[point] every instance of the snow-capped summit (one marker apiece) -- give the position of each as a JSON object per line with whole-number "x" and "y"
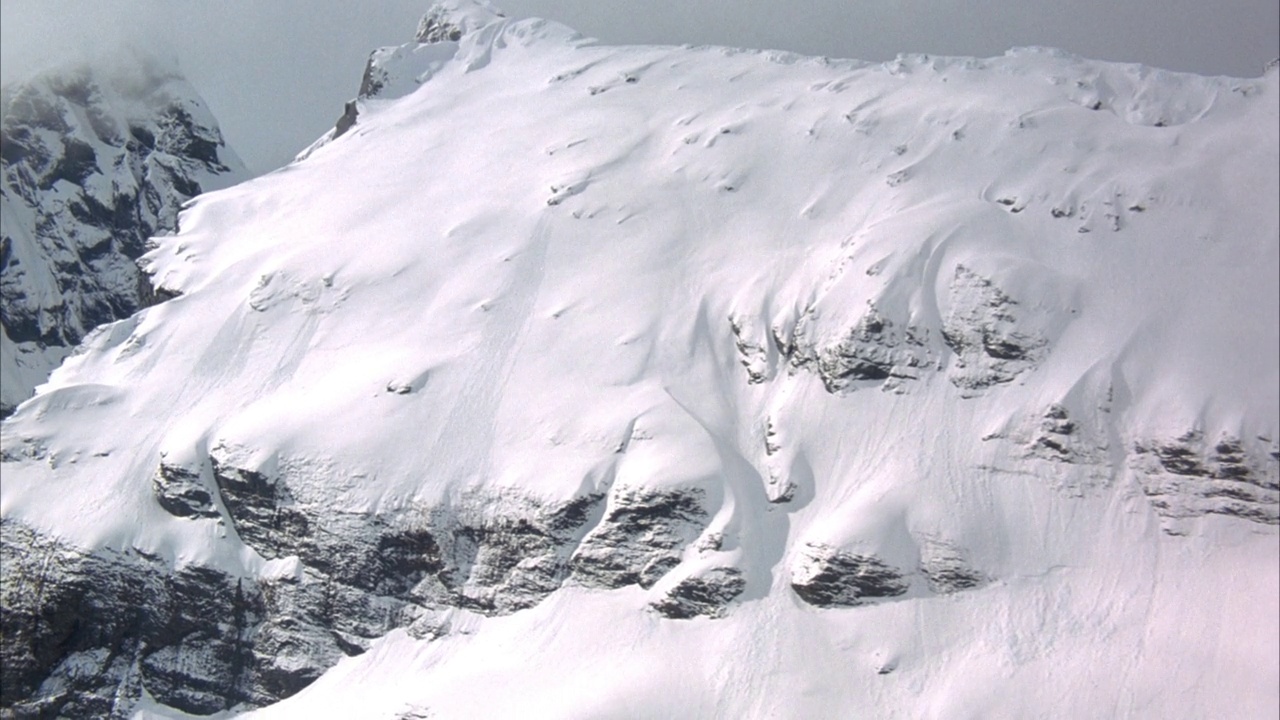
{"x": 449, "y": 31}
{"x": 451, "y": 19}
{"x": 95, "y": 162}
{"x": 685, "y": 382}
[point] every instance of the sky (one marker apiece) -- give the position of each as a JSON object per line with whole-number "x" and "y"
{"x": 277, "y": 72}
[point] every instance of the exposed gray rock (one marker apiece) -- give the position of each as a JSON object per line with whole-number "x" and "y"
{"x": 449, "y": 20}
{"x": 827, "y": 577}
{"x": 1055, "y": 437}
{"x": 311, "y": 622}
{"x": 85, "y": 186}
{"x": 85, "y": 633}
{"x": 982, "y": 329}
{"x": 707, "y": 594}
{"x": 346, "y": 121}
{"x": 1072, "y": 454}
{"x": 458, "y": 556}
{"x": 753, "y": 354}
{"x": 642, "y": 536}
{"x": 392, "y": 72}
{"x": 183, "y": 492}
{"x": 947, "y": 570}
{"x": 497, "y": 565}
{"x": 1187, "y": 477}
{"x": 368, "y": 552}
{"x": 876, "y": 350}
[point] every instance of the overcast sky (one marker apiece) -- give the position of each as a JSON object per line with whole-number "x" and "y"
{"x": 276, "y": 72}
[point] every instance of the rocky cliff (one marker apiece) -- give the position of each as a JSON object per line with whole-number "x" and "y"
{"x": 94, "y": 163}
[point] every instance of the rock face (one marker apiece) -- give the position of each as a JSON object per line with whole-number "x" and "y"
{"x": 395, "y": 71}
{"x": 875, "y": 349}
{"x": 707, "y": 594}
{"x": 983, "y": 340}
{"x": 1188, "y": 477}
{"x": 827, "y": 577}
{"x": 84, "y": 633}
{"x": 448, "y": 21}
{"x": 87, "y": 632}
{"x": 982, "y": 330}
{"x": 641, "y": 537}
{"x": 947, "y": 570}
{"x": 93, "y": 165}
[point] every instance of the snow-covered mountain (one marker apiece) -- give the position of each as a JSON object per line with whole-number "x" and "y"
{"x": 572, "y": 381}
{"x": 94, "y": 163}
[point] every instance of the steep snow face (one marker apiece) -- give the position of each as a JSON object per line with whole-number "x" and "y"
{"x": 694, "y": 382}
{"x": 94, "y": 164}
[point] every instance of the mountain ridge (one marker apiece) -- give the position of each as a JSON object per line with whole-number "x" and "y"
{"x": 96, "y": 162}
{"x": 683, "y": 382}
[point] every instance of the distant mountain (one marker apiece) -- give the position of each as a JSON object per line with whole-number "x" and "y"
{"x": 94, "y": 163}
{"x": 574, "y": 381}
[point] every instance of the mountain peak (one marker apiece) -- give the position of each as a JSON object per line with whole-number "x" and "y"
{"x": 449, "y": 20}
{"x": 96, "y": 160}
{"x": 718, "y": 383}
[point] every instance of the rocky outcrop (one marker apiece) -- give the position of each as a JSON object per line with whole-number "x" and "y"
{"x": 449, "y": 20}
{"x": 876, "y": 350}
{"x": 396, "y": 71}
{"x": 458, "y": 556}
{"x": 93, "y": 166}
{"x": 641, "y": 537}
{"x": 753, "y": 355}
{"x": 707, "y": 594}
{"x": 86, "y": 633}
{"x": 182, "y": 492}
{"x": 500, "y": 564}
{"x": 1188, "y": 477}
{"x": 947, "y": 570}
{"x": 982, "y": 330}
{"x": 828, "y": 577}
{"x": 1055, "y": 438}
{"x": 990, "y": 341}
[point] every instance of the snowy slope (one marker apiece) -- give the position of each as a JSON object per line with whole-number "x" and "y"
{"x": 695, "y": 382}
{"x": 97, "y": 159}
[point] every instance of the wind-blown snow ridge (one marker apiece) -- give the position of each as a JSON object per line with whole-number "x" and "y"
{"x": 707, "y": 383}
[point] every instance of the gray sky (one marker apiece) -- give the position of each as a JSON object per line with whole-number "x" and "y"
{"x": 276, "y": 72}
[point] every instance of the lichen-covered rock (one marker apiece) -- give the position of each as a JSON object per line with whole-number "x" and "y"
{"x": 828, "y": 577}
{"x": 641, "y": 537}
{"x": 706, "y": 594}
